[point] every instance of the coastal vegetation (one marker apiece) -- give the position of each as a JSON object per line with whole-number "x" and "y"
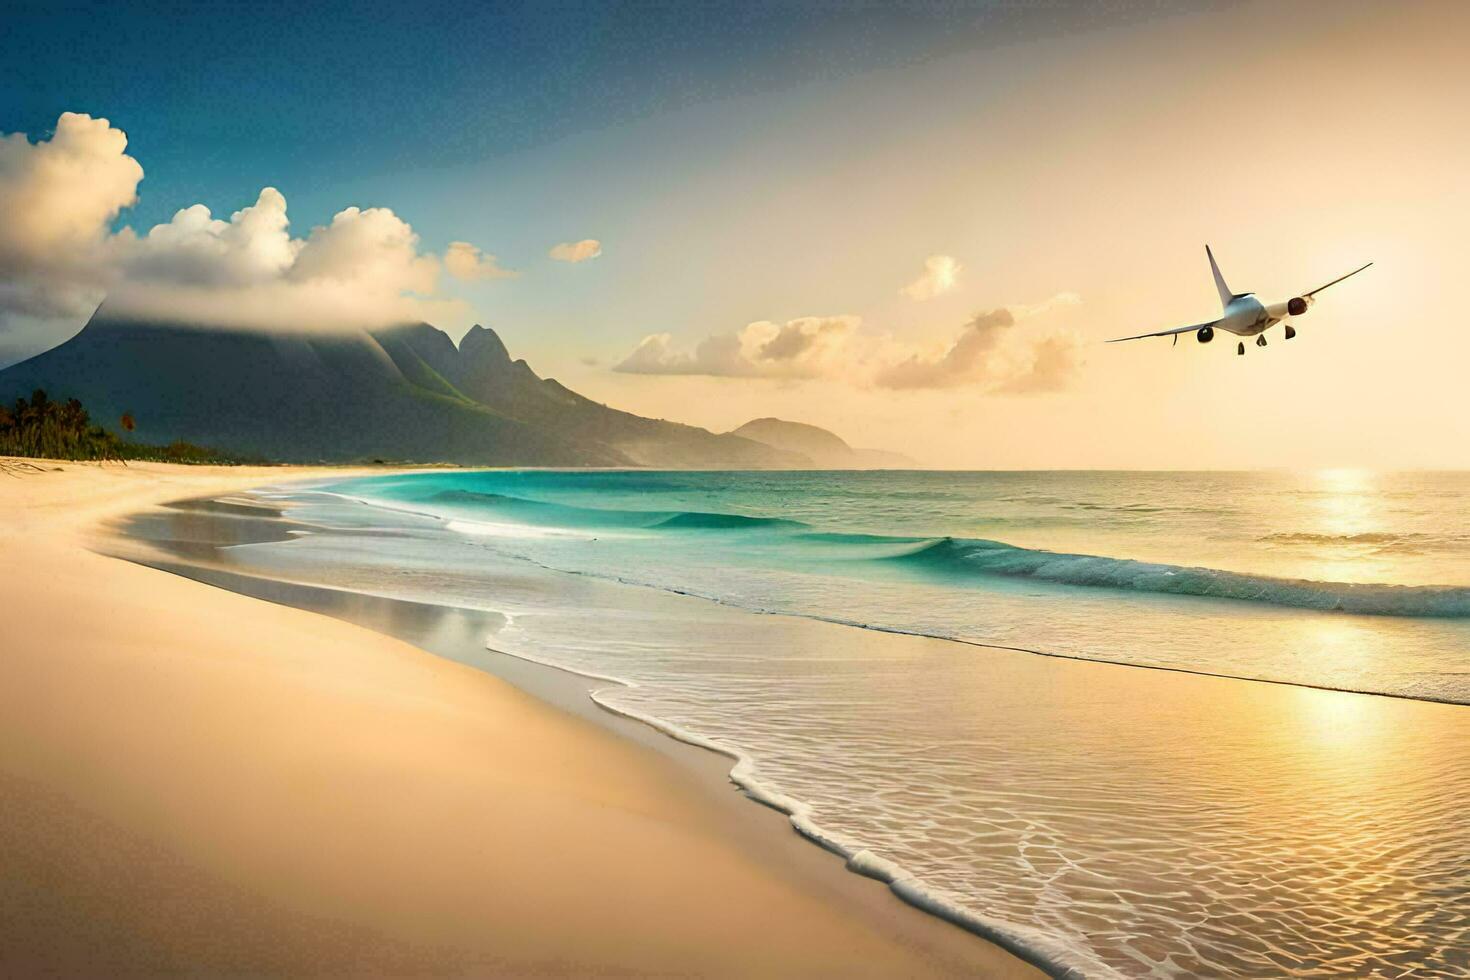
{"x": 40, "y": 427}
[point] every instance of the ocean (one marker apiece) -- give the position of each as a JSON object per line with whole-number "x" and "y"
{"x": 942, "y": 677}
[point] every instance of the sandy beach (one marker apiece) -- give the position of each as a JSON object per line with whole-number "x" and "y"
{"x": 196, "y": 781}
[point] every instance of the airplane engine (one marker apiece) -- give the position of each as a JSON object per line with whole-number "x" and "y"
{"x": 1206, "y": 334}
{"x": 1296, "y": 306}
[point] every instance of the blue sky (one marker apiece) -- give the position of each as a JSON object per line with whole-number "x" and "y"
{"x": 220, "y": 98}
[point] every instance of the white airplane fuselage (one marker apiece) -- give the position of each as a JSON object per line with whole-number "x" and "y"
{"x": 1246, "y": 316}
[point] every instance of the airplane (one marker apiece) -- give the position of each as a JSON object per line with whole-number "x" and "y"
{"x": 1244, "y": 315}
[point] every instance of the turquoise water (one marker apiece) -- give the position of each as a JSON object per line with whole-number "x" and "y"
{"x": 1344, "y": 580}
{"x": 1104, "y": 819}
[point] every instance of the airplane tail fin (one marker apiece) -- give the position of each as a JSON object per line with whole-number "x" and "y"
{"x": 1225, "y": 294}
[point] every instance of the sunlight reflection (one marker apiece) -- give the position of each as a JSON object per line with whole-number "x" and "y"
{"x": 1346, "y": 504}
{"x": 1336, "y": 722}
{"x": 1343, "y": 511}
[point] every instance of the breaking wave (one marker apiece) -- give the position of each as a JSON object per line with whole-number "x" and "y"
{"x": 971, "y": 559}
{"x": 956, "y": 556}
{"x": 543, "y": 513}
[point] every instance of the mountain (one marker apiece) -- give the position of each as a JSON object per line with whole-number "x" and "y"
{"x": 484, "y": 372}
{"x": 825, "y": 449}
{"x": 404, "y": 393}
{"x": 820, "y": 446}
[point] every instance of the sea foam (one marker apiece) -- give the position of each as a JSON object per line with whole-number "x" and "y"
{"x": 1055, "y": 957}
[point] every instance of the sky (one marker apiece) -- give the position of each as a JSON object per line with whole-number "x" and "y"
{"x": 913, "y": 224}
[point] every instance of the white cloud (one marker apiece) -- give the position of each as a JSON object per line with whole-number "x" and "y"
{"x": 195, "y": 248}
{"x": 808, "y": 347}
{"x": 1055, "y": 360}
{"x": 941, "y": 274}
{"x": 373, "y": 248}
{"x": 310, "y": 305}
{"x": 992, "y": 352}
{"x": 465, "y": 261}
{"x": 59, "y": 193}
{"x": 587, "y": 248}
{"x": 364, "y": 269}
{"x": 987, "y": 352}
{"x": 58, "y": 197}
{"x": 965, "y": 359}
{"x": 58, "y": 256}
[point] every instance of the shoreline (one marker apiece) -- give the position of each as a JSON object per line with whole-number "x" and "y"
{"x": 717, "y": 767}
{"x": 809, "y": 913}
{"x": 1193, "y": 748}
{"x": 565, "y": 688}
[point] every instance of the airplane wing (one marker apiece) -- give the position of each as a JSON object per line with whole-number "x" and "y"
{"x": 1171, "y": 333}
{"x": 1313, "y": 293}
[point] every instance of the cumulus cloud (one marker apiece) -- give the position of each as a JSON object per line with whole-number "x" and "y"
{"x": 995, "y": 351}
{"x": 58, "y": 198}
{"x": 941, "y": 274}
{"x": 808, "y": 347}
{"x": 963, "y": 361}
{"x": 987, "y": 352}
{"x": 363, "y": 269}
{"x": 246, "y": 271}
{"x": 1055, "y": 361}
{"x": 465, "y": 261}
{"x": 59, "y": 256}
{"x": 587, "y": 248}
{"x": 195, "y": 248}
